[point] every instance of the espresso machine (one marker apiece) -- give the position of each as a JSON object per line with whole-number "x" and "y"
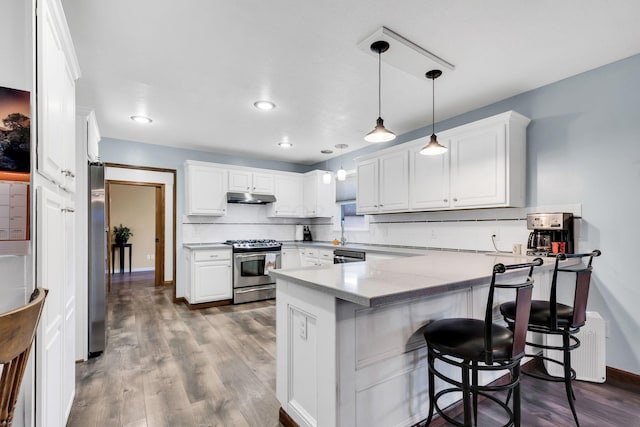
{"x": 551, "y": 233}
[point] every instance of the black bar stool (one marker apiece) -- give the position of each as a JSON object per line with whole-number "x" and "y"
{"x": 554, "y": 318}
{"x": 475, "y": 345}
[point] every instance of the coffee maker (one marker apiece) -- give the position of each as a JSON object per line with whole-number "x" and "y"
{"x": 552, "y": 233}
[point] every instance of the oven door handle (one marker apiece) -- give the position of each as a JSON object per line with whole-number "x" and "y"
{"x": 240, "y": 256}
{"x": 254, "y": 289}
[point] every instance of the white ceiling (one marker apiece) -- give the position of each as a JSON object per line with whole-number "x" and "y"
{"x": 197, "y": 66}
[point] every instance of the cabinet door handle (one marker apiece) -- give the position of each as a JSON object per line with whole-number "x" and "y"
{"x": 375, "y": 206}
{"x": 213, "y": 256}
{"x": 455, "y": 200}
{"x": 446, "y": 200}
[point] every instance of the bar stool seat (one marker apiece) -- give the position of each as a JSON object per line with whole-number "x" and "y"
{"x": 541, "y": 313}
{"x": 476, "y": 346}
{"x": 465, "y": 338}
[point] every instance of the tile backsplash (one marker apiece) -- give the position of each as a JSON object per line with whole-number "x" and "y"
{"x": 464, "y": 230}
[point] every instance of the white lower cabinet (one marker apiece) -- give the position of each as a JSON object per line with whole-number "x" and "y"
{"x": 290, "y": 257}
{"x": 209, "y": 275}
{"x": 316, "y": 256}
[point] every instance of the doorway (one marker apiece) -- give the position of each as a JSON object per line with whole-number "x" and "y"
{"x": 139, "y": 206}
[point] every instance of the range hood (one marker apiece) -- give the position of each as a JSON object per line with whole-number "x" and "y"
{"x": 250, "y": 198}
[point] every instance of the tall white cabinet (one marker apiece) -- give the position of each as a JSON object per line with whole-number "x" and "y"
{"x": 55, "y": 231}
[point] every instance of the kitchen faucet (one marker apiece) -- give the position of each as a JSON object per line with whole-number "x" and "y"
{"x": 343, "y": 240}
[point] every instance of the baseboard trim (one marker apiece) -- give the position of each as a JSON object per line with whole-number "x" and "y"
{"x": 622, "y": 377}
{"x": 168, "y": 283}
{"x": 178, "y": 300}
{"x": 285, "y": 419}
{"x": 207, "y": 304}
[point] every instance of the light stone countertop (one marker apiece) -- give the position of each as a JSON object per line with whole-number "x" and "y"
{"x": 375, "y": 283}
{"x": 382, "y": 249}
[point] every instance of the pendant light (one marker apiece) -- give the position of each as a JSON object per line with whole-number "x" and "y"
{"x": 379, "y": 133}
{"x": 433, "y": 147}
{"x": 341, "y": 175}
{"x": 326, "y": 176}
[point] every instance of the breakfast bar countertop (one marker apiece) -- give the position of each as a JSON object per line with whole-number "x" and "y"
{"x": 375, "y": 283}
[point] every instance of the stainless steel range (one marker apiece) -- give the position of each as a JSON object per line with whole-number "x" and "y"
{"x": 252, "y": 260}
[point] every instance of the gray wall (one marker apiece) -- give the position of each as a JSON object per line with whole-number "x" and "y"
{"x": 583, "y": 148}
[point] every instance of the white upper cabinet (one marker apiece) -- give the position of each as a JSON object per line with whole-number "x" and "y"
{"x": 367, "y": 190}
{"x": 288, "y": 193}
{"x": 488, "y": 162}
{"x": 206, "y": 189}
{"x": 57, "y": 71}
{"x": 383, "y": 183}
{"x": 319, "y": 199}
{"x": 485, "y": 167}
{"x": 251, "y": 182}
{"x": 87, "y": 132}
{"x": 428, "y": 179}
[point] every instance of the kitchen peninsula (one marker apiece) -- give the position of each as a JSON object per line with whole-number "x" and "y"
{"x": 350, "y": 350}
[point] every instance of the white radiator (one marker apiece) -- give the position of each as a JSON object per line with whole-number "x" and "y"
{"x": 589, "y": 360}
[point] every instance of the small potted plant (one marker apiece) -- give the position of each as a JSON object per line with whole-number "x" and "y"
{"x": 122, "y": 234}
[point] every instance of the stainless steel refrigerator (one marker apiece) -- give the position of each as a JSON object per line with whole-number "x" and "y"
{"x": 98, "y": 268}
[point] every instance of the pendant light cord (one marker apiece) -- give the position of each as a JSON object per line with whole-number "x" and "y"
{"x": 433, "y": 106}
{"x": 379, "y": 83}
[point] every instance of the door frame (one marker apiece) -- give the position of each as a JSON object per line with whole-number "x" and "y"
{"x": 159, "y": 225}
{"x": 173, "y": 174}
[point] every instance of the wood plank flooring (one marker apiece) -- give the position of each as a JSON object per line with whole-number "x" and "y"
{"x": 168, "y": 366}
{"x": 165, "y": 365}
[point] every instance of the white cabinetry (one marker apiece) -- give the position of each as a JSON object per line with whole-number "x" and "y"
{"x": 488, "y": 162}
{"x": 428, "y": 179}
{"x": 206, "y": 189}
{"x": 316, "y": 256}
{"x": 87, "y": 132}
{"x": 290, "y": 257}
{"x": 56, "y": 336}
{"x": 383, "y": 183}
{"x": 55, "y": 230}
{"x": 252, "y": 182}
{"x": 319, "y": 199}
{"x": 288, "y": 193}
{"x": 56, "y": 74}
{"x": 209, "y": 275}
{"x": 485, "y": 167}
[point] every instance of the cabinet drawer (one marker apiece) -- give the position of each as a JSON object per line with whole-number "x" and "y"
{"x": 211, "y": 255}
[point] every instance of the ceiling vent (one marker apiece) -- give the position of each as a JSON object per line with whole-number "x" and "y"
{"x": 405, "y": 55}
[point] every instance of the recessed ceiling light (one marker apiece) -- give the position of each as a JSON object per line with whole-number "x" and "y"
{"x": 264, "y": 105}
{"x": 141, "y": 119}
{"x": 326, "y": 151}
{"x": 285, "y": 144}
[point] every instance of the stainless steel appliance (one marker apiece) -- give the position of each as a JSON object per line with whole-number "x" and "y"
{"x": 343, "y": 256}
{"x": 98, "y": 268}
{"x": 252, "y": 260}
{"x": 551, "y": 232}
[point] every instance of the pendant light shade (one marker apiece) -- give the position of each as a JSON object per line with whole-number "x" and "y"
{"x": 326, "y": 177}
{"x": 380, "y": 133}
{"x": 341, "y": 174}
{"x": 433, "y": 148}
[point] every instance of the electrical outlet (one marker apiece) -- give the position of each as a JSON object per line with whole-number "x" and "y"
{"x": 148, "y": 257}
{"x": 302, "y": 326}
{"x": 495, "y": 232}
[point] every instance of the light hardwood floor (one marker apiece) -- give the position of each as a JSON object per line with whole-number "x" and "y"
{"x": 165, "y": 365}
{"x": 168, "y": 366}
